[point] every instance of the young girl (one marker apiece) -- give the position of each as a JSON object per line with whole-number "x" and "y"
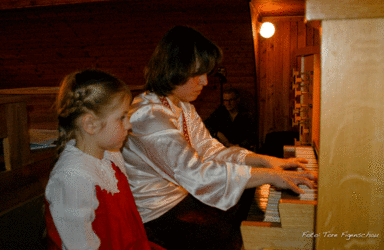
{"x": 89, "y": 204}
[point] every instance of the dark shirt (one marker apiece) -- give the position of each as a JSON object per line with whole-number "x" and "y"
{"x": 241, "y": 130}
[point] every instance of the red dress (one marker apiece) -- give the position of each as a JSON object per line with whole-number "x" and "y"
{"x": 117, "y": 222}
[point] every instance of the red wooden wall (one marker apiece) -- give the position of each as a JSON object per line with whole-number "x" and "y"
{"x": 39, "y": 46}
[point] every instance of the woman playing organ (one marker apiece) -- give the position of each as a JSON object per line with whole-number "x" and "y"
{"x": 186, "y": 184}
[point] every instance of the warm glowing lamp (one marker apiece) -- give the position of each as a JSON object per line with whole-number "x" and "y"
{"x": 267, "y": 30}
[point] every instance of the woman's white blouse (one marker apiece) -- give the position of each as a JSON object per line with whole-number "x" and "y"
{"x": 163, "y": 167}
{"x": 72, "y": 196}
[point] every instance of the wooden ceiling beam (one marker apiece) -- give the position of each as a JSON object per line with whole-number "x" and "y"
{"x": 273, "y": 19}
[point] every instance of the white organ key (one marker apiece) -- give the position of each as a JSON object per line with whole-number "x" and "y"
{"x": 272, "y": 210}
{"x": 308, "y": 154}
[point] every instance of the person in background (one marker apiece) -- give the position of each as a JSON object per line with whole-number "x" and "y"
{"x": 231, "y": 124}
{"x": 187, "y": 184}
{"x": 89, "y": 204}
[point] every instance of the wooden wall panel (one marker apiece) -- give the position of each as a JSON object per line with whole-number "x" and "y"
{"x": 255, "y": 24}
{"x": 41, "y": 111}
{"x": 41, "y": 45}
{"x": 277, "y": 59}
{"x": 286, "y": 75}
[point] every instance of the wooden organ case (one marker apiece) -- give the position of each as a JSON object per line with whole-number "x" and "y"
{"x": 349, "y": 211}
{"x": 289, "y": 219}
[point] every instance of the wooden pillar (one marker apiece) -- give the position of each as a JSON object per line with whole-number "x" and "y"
{"x": 14, "y": 131}
{"x": 351, "y": 161}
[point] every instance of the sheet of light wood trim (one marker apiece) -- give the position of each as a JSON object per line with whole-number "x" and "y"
{"x": 331, "y": 9}
{"x": 350, "y": 193}
{"x": 297, "y": 214}
{"x": 297, "y": 224}
{"x": 256, "y": 236}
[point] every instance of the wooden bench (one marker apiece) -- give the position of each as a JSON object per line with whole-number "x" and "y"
{"x": 24, "y": 172}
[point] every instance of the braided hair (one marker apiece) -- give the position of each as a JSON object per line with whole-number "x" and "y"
{"x": 83, "y": 92}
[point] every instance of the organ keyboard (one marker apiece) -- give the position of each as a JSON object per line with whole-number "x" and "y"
{"x": 289, "y": 218}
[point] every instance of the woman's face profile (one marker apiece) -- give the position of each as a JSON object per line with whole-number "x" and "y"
{"x": 189, "y": 91}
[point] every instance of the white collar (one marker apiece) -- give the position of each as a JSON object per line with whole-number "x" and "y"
{"x": 100, "y": 171}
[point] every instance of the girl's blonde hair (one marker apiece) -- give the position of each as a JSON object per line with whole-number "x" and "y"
{"x": 86, "y": 91}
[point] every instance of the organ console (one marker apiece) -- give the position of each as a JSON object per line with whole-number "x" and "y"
{"x": 350, "y": 186}
{"x": 289, "y": 219}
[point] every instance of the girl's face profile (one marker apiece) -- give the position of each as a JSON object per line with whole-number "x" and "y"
{"x": 116, "y": 125}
